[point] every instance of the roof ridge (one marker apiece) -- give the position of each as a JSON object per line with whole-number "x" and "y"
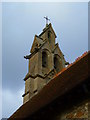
{"x": 77, "y": 59}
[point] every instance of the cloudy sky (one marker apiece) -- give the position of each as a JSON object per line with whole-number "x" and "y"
{"x": 20, "y": 22}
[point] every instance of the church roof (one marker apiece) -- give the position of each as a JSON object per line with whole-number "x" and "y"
{"x": 64, "y": 81}
{"x": 35, "y": 51}
{"x": 38, "y": 41}
{"x": 46, "y": 28}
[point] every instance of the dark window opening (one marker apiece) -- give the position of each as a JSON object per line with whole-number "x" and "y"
{"x": 49, "y": 34}
{"x": 44, "y": 59}
{"x": 56, "y": 64}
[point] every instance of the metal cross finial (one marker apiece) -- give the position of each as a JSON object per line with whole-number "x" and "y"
{"x": 47, "y": 19}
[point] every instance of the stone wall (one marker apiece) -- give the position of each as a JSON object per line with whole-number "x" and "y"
{"x": 81, "y": 111}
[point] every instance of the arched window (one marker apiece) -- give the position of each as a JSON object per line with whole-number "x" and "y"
{"x": 57, "y": 63}
{"x": 44, "y": 59}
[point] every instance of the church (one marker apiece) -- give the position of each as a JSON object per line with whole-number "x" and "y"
{"x": 54, "y": 89}
{"x": 45, "y": 61}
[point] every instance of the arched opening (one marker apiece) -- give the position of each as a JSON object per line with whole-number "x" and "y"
{"x": 48, "y": 34}
{"x": 57, "y": 63}
{"x": 44, "y": 59}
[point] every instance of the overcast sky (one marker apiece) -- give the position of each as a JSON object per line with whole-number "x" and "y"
{"x": 20, "y": 22}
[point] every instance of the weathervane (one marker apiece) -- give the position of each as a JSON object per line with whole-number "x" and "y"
{"x": 47, "y": 19}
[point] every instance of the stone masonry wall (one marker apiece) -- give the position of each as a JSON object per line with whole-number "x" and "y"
{"x": 81, "y": 111}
